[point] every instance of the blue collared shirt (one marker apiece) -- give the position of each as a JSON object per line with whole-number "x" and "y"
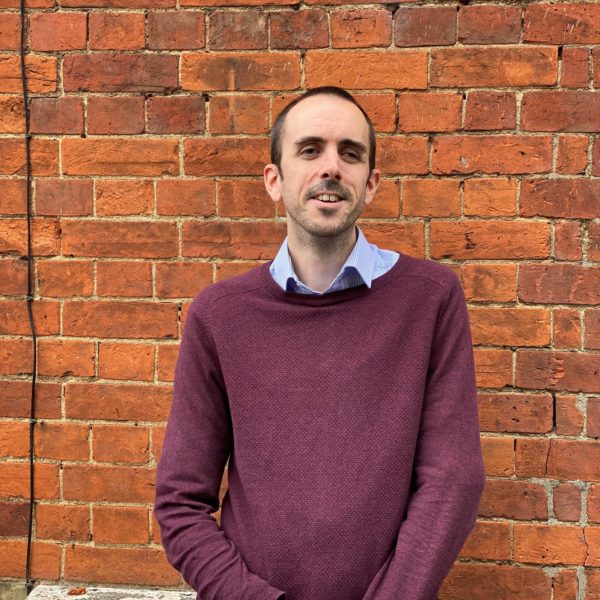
{"x": 365, "y": 263}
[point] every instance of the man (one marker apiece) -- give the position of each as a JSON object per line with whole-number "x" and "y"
{"x": 338, "y": 379}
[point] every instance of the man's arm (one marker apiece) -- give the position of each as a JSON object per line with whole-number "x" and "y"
{"x": 448, "y": 474}
{"x": 196, "y": 447}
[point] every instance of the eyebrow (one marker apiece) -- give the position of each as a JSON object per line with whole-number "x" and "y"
{"x": 313, "y": 139}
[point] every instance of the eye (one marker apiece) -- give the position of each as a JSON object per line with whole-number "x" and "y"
{"x": 309, "y": 151}
{"x": 350, "y": 154}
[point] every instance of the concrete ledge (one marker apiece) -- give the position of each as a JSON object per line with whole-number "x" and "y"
{"x": 61, "y": 592}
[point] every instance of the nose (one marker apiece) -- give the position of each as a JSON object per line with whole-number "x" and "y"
{"x": 330, "y": 166}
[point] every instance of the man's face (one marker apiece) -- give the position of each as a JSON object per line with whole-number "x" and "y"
{"x": 324, "y": 180}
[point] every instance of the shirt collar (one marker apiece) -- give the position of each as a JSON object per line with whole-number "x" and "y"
{"x": 361, "y": 259}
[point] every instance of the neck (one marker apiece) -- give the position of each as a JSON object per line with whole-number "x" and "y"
{"x": 317, "y": 261}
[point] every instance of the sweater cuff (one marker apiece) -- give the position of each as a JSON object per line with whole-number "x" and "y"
{"x": 265, "y": 592}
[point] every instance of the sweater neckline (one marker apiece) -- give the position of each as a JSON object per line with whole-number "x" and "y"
{"x": 332, "y": 297}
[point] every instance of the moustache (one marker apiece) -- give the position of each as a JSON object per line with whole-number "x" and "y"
{"x": 326, "y": 187}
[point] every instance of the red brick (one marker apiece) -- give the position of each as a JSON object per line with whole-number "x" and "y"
{"x": 123, "y": 278}
{"x": 232, "y": 239}
{"x": 549, "y": 544}
{"x": 158, "y": 437}
{"x": 292, "y": 30}
{"x": 14, "y": 518}
{"x": 175, "y": 30}
{"x": 244, "y": 198}
{"x": 57, "y": 115}
{"x": 65, "y": 278}
{"x": 124, "y": 197}
{"x": 45, "y": 559}
{"x": 488, "y": 540}
{"x": 239, "y": 2}
{"x": 237, "y": 30}
{"x": 64, "y": 522}
{"x": 64, "y": 197}
{"x": 506, "y": 154}
{"x": 431, "y": 197}
{"x": 592, "y": 329}
{"x": 12, "y": 197}
{"x": 121, "y": 525}
{"x": 185, "y": 197}
{"x": 510, "y": 326}
{"x": 593, "y": 414}
{"x": 425, "y": 26}
{"x": 403, "y": 155}
{"x": 485, "y": 282}
{"x": 498, "y": 456}
{"x": 569, "y": 417}
{"x": 153, "y": 4}
{"x": 575, "y": 67}
{"x": 120, "y": 443}
{"x": 549, "y": 110}
{"x": 167, "y": 357}
{"x": 144, "y": 566}
{"x": 15, "y": 396}
{"x": 131, "y": 239}
{"x": 112, "y": 402}
{"x": 559, "y": 284}
{"x": 593, "y": 251}
{"x": 182, "y": 279}
{"x": 9, "y": 31}
{"x": 58, "y": 31}
{"x": 568, "y": 371}
{"x": 119, "y": 114}
{"x": 387, "y": 201}
{"x": 151, "y": 157}
{"x": 14, "y": 481}
{"x": 567, "y": 328}
{"x": 45, "y": 237}
{"x": 565, "y": 585}
{"x": 227, "y": 269}
{"x": 120, "y": 319}
{"x": 175, "y": 114}
{"x": 116, "y": 31}
{"x": 482, "y": 24}
{"x": 566, "y": 198}
{"x": 511, "y": 499}
{"x": 126, "y": 361}
{"x": 596, "y": 65}
{"x": 240, "y": 71}
{"x": 596, "y": 156}
{"x": 361, "y": 28}
{"x": 59, "y": 358}
{"x": 567, "y": 502}
{"x": 567, "y": 240}
{"x": 14, "y": 319}
{"x": 489, "y": 111}
{"x": 381, "y": 109}
{"x": 12, "y": 119}
{"x": 493, "y": 67}
{"x": 373, "y": 70}
{"x": 485, "y": 197}
{"x": 594, "y": 503}
{"x": 14, "y": 439}
{"x": 123, "y": 73}
{"x": 489, "y": 239}
{"x": 13, "y": 276}
{"x": 44, "y": 157}
{"x": 239, "y": 114}
{"x": 40, "y": 70}
{"x": 572, "y": 154}
{"x": 400, "y": 237}
{"x": 429, "y": 112}
{"x": 226, "y": 156}
{"x": 573, "y": 23}
{"x": 493, "y": 367}
{"x": 520, "y": 413}
{"x": 62, "y": 441}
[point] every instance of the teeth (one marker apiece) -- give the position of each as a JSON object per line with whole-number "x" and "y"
{"x": 327, "y": 198}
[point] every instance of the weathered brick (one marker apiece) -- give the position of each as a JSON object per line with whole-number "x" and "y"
{"x": 431, "y": 197}
{"x": 519, "y": 413}
{"x": 238, "y": 30}
{"x": 569, "y": 417}
{"x": 138, "y": 73}
{"x": 572, "y": 23}
{"x": 12, "y": 119}
{"x": 488, "y": 541}
{"x": 400, "y": 237}
{"x": 175, "y": 114}
{"x": 596, "y": 157}
{"x": 548, "y": 110}
{"x": 565, "y": 584}
{"x": 44, "y": 157}
{"x": 575, "y": 68}
{"x": 592, "y": 329}
{"x": 9, "y": 31}
{"x": 429, "y": 112}
{"x": 57, "y": 31}
{"x": 63, "y": 357}
{"x": 374, "y": 70}
{"x": 485, "y": 282}
{"x": 493, "y": 367}
{"x": 505, "y": 154}
{"x": 13, "y": 519}
{"x": 244, "y": 198}
{"x": 226, "y": 156}
{"x": 45, "y": 237}
{"x": 64, "y": 278}
{"x": 566, "y": 198}
{"x": 572, "y": 154}
{"x": 240, "y": 71}
{"x": 124, "y": 197}
{"x": 182, "y": 279}
{"x": 593, "y": 250}
{"x": 114, "y": 156}
{"x": 123, "y": 278}
{"x": 567, "y": 502}
{"x": 291, "y": 30}
{"x": 14, "y": 318}
{"x": 121, "y": 525}
{"x": 381, "y": 109}
{"x": 559, "y": 284}
{"x": 40, "y": 70}
{"x": 69, "y": 197}
{"x": 15, "y": 396}
{"x": 567, "y": 328}
{"x": 511, "y": 499}
{"x": 489, "y": 197}
{"x": 568, "y": 371}
{"x": 14, "y": 439}
{"x": 62, "y": 441}
{"x": 56, "y": 115}
{"x": 118, "y": 114}
{"x": 120, "y": 319}
{"x": 64, "y": 522}
{"x": 167, "y": 357}
{"x": 175, "y": 30}
{"x": 403, "y": 155}
{"x": 425, "y": 26}
{"x": 491, "y": 67}
{"x": 594, "y": 503}
{"x": 567, "y": 240}
{"x": 14, "y": 480}
{"x": 185, "y": 197}
{"x": 120, "y": 443}
{"x": 549, "y": 544}
{"x": 239, "y": 114}
{"x": 126, "y": 361}
{"x": 227, "y": 269}
{"x": 12, "y": 196}
{"x": 510, "y": 326}
{"x": 13, "y": 276}
{"x": 490, "y": 111}
{"x": 116, "y": 31}
{"x": 361, "y": 28}
{"x": 45, "y": 559}
{"x": 153, "y": 4}
{"x": 387, "y": 201}
{"x": 596, "y": 65}
{"x": 481, "y": 24}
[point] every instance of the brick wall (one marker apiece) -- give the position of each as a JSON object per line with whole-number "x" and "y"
{"x": 150, "y": 122}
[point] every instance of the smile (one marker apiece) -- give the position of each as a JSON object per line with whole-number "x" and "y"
{"x": 327, "y": 198}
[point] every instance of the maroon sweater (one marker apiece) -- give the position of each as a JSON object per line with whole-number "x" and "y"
{"x": 350, "y": 423}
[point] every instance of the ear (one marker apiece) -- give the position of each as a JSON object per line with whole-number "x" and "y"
{"x": 272, "y": 182}
{"x": 372, "y": 185}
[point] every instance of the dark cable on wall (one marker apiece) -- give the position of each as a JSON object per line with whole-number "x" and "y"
{"x": 29, "y": 298}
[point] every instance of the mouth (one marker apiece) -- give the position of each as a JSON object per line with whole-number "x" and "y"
{"x": 327, "y": 198}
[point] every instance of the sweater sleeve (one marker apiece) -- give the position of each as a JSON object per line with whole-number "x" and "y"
{"x": 448, "y": 473}
{"x": 197, "y": 444}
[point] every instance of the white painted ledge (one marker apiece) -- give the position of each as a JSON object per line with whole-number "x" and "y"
{"x": 58, "y": 592}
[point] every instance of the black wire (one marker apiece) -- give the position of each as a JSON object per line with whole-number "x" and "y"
{"x": 28, "y": 582}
